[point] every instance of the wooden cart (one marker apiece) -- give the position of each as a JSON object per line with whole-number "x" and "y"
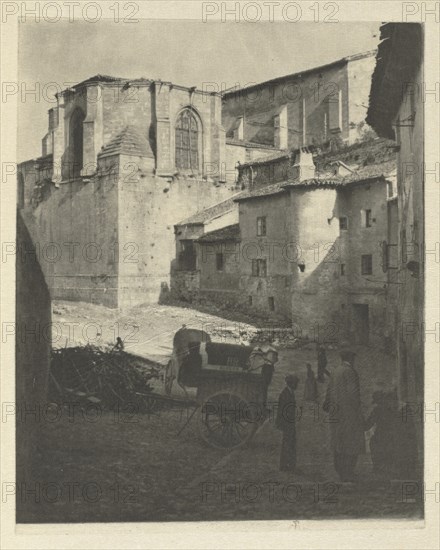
{"x": 230, "y": 392}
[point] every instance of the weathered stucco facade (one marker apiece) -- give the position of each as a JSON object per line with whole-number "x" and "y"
{"x": 303, "y": 109}
{"x": 312, "y": 248}
{"x": 396, "y": 111}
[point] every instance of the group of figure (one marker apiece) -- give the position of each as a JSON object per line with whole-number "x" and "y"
{"x": 393, "y": 444}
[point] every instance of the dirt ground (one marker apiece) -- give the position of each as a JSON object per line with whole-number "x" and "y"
{"x": 119, "y": 466}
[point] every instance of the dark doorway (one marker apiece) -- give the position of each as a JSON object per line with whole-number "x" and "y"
{"x": 361, "y": 327}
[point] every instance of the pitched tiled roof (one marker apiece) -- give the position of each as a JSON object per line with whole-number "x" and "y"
{"x": 128, "y": 142}
{"x": 335, "y": 181}
{"x": 200, "y": 217}
{"x": 266, "y": 190}
{"x": 228, "y": 233}
{"x": 366, "y": 175}
{"x": 276, "y": 155}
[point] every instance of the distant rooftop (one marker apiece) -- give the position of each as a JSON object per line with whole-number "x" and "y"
{"x": 365, "y": 175}
{"x": 370, "y": 53}
{"x": 107, "y": 79}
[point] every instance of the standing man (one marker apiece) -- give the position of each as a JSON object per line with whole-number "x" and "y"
{"x": 311, "y": 387}
{"x": 264, "y": 359}
{"x": 286, "y": 422}
{"x": 343, "y": 403}
{"x": 322, "y": 363}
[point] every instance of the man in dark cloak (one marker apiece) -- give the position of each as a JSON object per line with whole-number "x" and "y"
{"x": 393, "y": 444}
{"x": 343, "y": 403}
{"x": 322, "y": 363}
{"x": 191, "y": 365}
{"x": 286, "y": 422}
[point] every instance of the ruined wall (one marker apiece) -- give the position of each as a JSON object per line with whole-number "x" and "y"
{"x": 185, "y": 285}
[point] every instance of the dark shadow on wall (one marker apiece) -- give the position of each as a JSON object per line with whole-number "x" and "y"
{"x": 32, "y": 349}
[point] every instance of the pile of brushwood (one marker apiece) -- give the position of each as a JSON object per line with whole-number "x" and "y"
{"x": 109, "y": 379}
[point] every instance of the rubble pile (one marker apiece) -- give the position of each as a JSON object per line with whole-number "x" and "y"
{"x": 107, "y": 378}
{"x": 247, "y": 335}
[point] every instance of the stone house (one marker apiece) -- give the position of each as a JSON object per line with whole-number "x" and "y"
{"x": 219, "y": 265}
{"x": 396, "y": 111}
{"x": 312, "y": 247}
{"x": 185, "y": 268}
{"x": 320, "y": 242}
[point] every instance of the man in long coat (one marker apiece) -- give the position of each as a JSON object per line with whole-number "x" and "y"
{"x": 286, "y": 422}
{"x": 343, "y": 403}
{"x": 322, "y": 363}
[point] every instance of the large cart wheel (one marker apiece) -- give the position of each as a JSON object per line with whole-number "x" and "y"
{"x": 168, "y": 378}
{"x": 227, "y": 421}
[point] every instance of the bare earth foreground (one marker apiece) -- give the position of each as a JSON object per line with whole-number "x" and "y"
{"x": 133, "y": 467}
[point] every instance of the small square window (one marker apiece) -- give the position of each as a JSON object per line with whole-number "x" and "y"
{"x": 271, "y": 303}
{"x": 219, "y": 261}
{"x": 366, "y": 264}
{"x": 342, "y": 270}
{"x": 261, "y": 226}
{"x": 343, "y": 223}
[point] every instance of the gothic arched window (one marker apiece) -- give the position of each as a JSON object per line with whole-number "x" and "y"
{"x": 187, "y": 141}
{"x": 76, "y": 142}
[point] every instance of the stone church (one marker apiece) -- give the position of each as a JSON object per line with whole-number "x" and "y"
{"x": 125, "y": 160}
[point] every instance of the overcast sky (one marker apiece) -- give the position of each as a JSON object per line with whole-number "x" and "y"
{"x": 183, "y": 52}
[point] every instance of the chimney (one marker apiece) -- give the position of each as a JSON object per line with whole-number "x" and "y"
{"x": 239, "y": 131}
{"x": 304, "y": 167}
{"x": 281, "y": 129}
